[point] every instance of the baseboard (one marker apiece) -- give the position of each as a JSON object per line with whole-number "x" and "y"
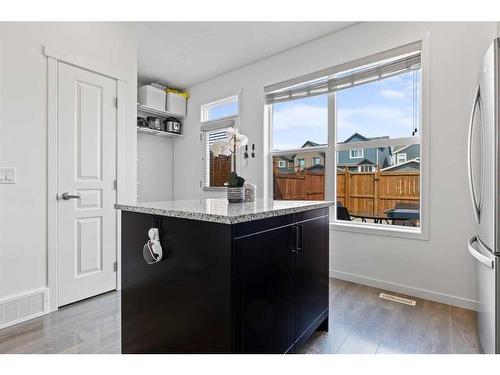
{"x": 22, "y": 307}
{"x": 408, "y": 290}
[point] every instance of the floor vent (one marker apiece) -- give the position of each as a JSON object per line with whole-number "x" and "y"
{"x": 22, "y": 307}
{"x": 394, "y": 298}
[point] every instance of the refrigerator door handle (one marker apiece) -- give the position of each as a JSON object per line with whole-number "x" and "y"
{"x": 475, "y": 106}
{"x": 480, "y": 257}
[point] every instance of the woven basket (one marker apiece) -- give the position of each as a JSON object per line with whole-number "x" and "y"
{"x": 235, "y": 194}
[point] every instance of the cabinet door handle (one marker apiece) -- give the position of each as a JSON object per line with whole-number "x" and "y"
{"x": 300, "y": 229}
{"x": 294, "y": 235}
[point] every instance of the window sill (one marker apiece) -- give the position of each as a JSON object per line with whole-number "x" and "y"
{"x": 381, "y": 230}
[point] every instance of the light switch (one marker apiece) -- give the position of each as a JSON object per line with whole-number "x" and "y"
{"x": 7, "y": 175}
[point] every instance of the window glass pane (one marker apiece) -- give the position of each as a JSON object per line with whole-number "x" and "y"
{"x": 379, "y": 185}
{"x": 297, "y": 177}
{"x": 387, "y": 108}
{"x": 379, "y": 189}
{"x": 220, "y": 109}
{"x": 299, "y": 123}
{"x": 218, "y": 167}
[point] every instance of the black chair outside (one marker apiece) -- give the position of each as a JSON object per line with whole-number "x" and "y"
{"x": 343, "y": 214}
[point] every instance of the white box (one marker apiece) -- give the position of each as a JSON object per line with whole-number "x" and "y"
{"x": 152, "y": 97}
{"x": 176, "y": 104}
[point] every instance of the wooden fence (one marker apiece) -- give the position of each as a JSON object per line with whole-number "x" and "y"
{"x": 370, "y": 192}
{"x": 376, "y": 192}
{"x": 299, "y": 186}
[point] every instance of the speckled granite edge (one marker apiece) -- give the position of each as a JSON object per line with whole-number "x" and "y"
{"x": 223, "y": 219}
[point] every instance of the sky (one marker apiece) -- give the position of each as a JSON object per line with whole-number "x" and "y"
{"x": 381, "y": 108}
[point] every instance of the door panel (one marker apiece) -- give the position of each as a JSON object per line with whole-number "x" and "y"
{"x": 266, "y": 266}
{"x": 86, "y": 168}
{"x": 311, "y": 274}
{"x": 486, "y": 192}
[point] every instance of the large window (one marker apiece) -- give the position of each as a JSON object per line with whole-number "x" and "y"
{"x": 216, "y": 118}
{"x": 372, "y": 111}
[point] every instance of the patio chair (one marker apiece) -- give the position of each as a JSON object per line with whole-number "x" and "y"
{"x": 343, "y": 213}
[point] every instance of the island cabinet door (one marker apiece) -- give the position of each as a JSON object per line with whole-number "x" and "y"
{"x": 264, "y": 292}
{"x": 311, "y": 277}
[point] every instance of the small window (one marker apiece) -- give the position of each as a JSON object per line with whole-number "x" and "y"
{"x": 365, "y": 168}
{"x": 401, "y": 158}
{"x": 301, "y": 163}
{"x": 220, "y": 109}
{"x": 356, "y": 154}
{"x": 217, "y": 168}
{"x": 316, "y": 160}
{"x": 282, "y": 164}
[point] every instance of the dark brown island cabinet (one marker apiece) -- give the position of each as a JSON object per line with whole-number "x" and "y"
{"x": 250, "y": 280}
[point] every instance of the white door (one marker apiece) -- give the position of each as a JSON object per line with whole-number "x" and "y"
{"x": 86, "y": 173}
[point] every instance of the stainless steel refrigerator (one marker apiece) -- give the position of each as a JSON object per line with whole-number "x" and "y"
{"x": 484, "y": 181}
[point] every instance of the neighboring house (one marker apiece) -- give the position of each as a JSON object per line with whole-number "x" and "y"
{"x": 405, "y": 159}
{"x": 366, "y": 159}
{"x": 412, "y": 165}
{"x": 401, "y": 154}
{"x": 307, "y": 160}
{"x": 284, "y": 163}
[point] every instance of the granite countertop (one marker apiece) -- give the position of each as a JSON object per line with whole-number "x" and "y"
{"x": 221, "y": 211}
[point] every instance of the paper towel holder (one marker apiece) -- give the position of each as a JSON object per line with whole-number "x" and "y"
{"x": 152, "y": 250}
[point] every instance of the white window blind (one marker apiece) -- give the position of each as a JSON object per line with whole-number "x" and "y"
{"x": 346, "y": 79}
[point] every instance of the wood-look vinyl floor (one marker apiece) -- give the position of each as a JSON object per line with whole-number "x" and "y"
{"x": 360, "y": 322}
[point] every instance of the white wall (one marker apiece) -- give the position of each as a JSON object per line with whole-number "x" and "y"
{"x": 154, "y": 168}
{"x": 23, "y": 132}
{"x": 439, "y": 268}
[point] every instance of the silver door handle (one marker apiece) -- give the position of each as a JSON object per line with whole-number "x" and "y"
{"x": 66, "y": 196}
{"x": 480, "y": 257}
{"x": 477, "y": 208}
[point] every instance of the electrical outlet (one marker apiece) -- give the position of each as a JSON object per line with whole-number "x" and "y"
{"x": 7, "y": 175}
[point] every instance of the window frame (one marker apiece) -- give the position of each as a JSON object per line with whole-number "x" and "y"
{"x": 420, "y": 233}
{"x": 207, "y": 126}
{"x": 365, "y": 166}
{"x": 301, "y": 163}
{"x": 360, "y": 150}
{"x": 401, "y": 154}
{"x": 281, "y": 163}
{"x": 315, "y": 160}
{"x": 205, "y": 108}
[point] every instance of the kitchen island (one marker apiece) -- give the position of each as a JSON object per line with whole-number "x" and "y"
{"x": 232, "y": 278}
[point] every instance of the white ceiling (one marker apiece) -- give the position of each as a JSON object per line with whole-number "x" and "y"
{"x": 182, "y": 54}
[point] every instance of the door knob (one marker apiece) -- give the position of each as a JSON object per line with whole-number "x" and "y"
{"x": 67, "y": 196}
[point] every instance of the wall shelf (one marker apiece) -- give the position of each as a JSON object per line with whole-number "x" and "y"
{"x": 157, "y": 112}
{"x": 159, "y": 133}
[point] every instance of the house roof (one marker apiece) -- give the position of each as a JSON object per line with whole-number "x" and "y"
{"x": 400, "y": 148}
{"x": 312, "y": 144}
{"x": 364, "y": 138}
{"x": 416, "y": 160}
{"x": 356, "y": 163}
{"x": 316, "y": 168}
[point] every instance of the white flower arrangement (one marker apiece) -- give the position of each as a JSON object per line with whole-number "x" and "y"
{"x": 234, "y": 140}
